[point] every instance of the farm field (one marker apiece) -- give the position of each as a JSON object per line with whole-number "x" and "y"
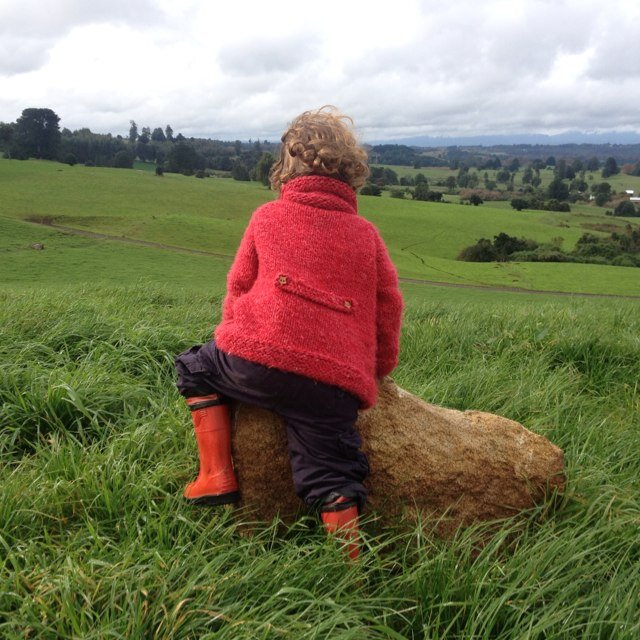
{"x": 210, "y": 215}
{"x": 96, "y": 444}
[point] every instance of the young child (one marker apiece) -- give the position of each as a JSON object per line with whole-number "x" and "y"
{"x": 310, "y": 323}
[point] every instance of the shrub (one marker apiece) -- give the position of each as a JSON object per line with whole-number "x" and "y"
{"x": 123, "y": 160}
{"x": 159, "y": 170}
{"x": 370, "y": 189}
{"x": 542, "y": 255}
{"x": 70, "y": 159}
{"x": 482, "y": 251}
{"x": 475, "y": 199}
{"x": 519, "y": 204}
{"x": 558, "y": 189}
{"x": 240, "y": 172}
{"x": 590, "y": 246}
{"x": 626, "y": 260}
{"x": 421, "y": 191}
{"x": 626, "y": 208}
{"x": 486, "y": 194}
{"x": 383, "y": 176}
{"x": 556, "y": 205}
{"x": 200, "y": 173}
{"x": 500, "y": 249}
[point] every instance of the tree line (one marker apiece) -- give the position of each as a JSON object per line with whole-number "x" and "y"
{"x": 37, "y": 134}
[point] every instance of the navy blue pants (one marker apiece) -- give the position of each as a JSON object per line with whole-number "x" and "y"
{"x": 323, "y": 443}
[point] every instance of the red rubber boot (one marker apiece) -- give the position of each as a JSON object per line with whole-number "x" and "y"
{"x": 216, "y": 483}
{"x": 340, "y": 518}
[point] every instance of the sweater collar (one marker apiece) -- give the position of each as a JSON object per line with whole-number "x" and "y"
{"x": 321, "y": 192}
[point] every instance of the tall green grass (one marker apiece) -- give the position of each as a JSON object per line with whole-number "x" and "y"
{"x": 95, "y": 447}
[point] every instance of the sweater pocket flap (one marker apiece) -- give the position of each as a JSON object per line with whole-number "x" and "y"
{"x": 325, "y": 298}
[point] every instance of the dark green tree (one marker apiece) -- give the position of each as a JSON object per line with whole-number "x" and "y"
{"x": 168, "y": 132}
{"x": 123, "y": 160}
{"x": 560, "y": 170}
{"x": 558, "y": 190}
{"x": 602, "y": 193}
{"x": 514, "y": 165}
{"x": 626, "y": 208}
{"x": 240, "y": 172}
{"x": 462, "y": 178}
{"x": 610, "y": 167}
{"x": 145, "y": 136}
{"x": 505, "y": 245}
{"x": 578, "y": 184}
{"x": 450, "y": 183}
{"x": 145, "y": 151}
{"x": 383, "y": 176}
{"x": 482, "y": 251}
{"x": 37, "y": 133}
{"x": 6, "y": 134}
{"x": 420, "y": 178}
{"x": 158, "y": 135}
{"x": 183, "y": 158}
{"x": 593, "y": 164}
{"x": 421, "y": 191}
{"x": 577, "y": 165}
{"x": 370, "y": 189}
{"x": 475, "y": 199}
{"x": 264, "y": 167}
{"x": 133, "y": 131}
{"x": 519, "y": 204}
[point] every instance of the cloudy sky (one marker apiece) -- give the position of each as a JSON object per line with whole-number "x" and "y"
{"x": 400, "y": 68}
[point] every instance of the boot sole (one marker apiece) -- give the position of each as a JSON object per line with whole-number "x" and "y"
{"x": 213, "y": 500}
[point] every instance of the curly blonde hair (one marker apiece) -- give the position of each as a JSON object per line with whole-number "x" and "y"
{"x": 320, "y": 142}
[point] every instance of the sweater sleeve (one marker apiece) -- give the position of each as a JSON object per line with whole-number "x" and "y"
{"x": 388, "y": 312}
{"x": 243, "y": 272}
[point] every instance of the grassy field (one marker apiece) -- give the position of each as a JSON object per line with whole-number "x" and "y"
{"x": 95, "y": 447}
{"x": 424, "y": 238}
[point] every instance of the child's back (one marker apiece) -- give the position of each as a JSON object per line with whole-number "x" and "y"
{"x": 311, "y": 321}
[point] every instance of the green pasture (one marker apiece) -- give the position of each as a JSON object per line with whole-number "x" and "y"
{"x": 75, "y": 260}
{"x": 69, "y": 259}
{"x": 211, "y": 214}
{"x": 198, "y": 213}
{"x": 96, "y": 447}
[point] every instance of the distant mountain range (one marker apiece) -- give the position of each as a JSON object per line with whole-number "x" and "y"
{"x": 568, "y": 137}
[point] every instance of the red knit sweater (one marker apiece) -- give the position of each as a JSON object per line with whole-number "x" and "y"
{"x": 312, "y": 290}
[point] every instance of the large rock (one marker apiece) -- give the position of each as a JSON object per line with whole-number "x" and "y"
{"x": 458, "y": 467}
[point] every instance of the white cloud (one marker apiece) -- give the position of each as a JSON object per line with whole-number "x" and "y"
{"x": 244, "y": 69}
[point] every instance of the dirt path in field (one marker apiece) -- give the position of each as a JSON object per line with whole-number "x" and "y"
{"x": 144, "y": 243}
{"x": 432, "y": 283}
